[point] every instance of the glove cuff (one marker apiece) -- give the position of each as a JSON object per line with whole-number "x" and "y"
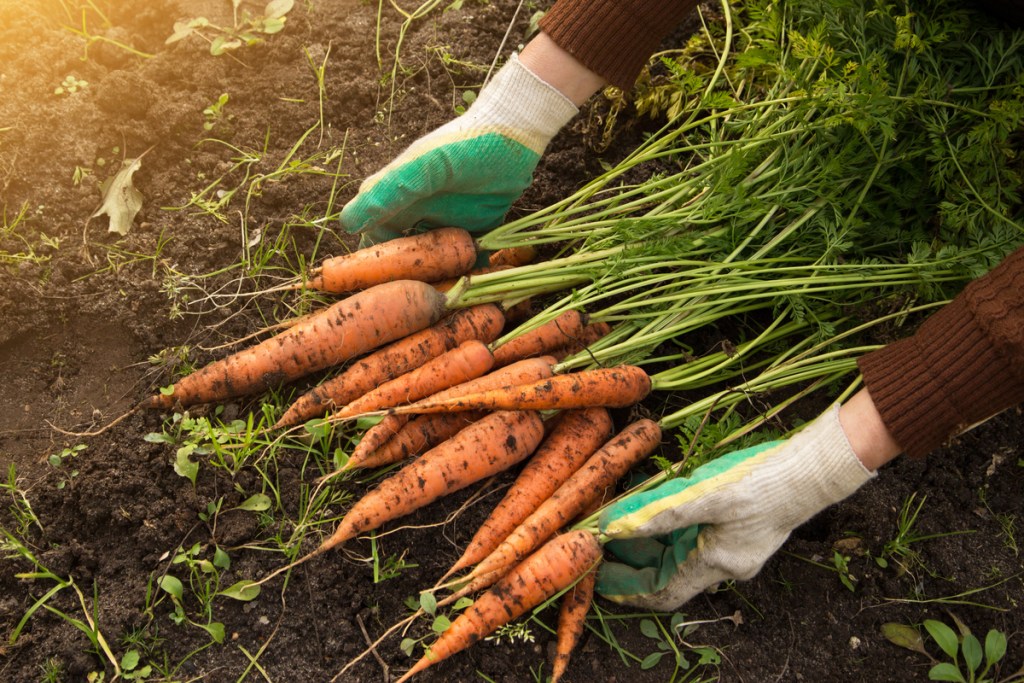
{"x": 521, "y": 106}
{"x": 832, "y": 470}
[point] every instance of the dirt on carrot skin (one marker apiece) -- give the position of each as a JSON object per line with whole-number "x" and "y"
{"x": 84, "y": 311}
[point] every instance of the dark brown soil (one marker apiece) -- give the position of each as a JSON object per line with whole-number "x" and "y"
{"x": 83, "y": 311}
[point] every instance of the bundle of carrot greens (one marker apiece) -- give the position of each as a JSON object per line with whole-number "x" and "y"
{"x": 839, "y": 167}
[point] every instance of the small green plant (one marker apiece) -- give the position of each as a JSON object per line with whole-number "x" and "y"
{"x": 59, "y": 460}
{"x": 70, "y": 85}
{"x": 245, "y": 31}
{"x": 668, "y": 640}
{"x": 213, "y": 114}
{"x": 898, "y": 549}
{"x": 53, "y": 670}
{"x": 965, "y": 652}
{"x": 389, "y": 567}
{"x": 841, "y": 563}
{"x": 20, "y": 508}
{"x": 439, "y": 622}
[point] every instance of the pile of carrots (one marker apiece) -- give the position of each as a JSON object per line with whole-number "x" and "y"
{"x": 457, "y": 408}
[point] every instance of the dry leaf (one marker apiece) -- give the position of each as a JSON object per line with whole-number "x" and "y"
{"x": 121, "y": 201}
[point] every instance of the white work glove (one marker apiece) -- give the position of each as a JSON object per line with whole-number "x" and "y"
{"x": 726, "y": 519}
{"x": 468, "y": 172}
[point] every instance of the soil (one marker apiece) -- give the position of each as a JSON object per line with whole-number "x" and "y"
{"x": 85, "y": 310}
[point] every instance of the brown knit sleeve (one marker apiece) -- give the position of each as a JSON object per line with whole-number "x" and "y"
{"x": 964, "y": 365}
{"x": 614, "y": 38}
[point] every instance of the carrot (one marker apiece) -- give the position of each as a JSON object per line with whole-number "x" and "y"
{"x": 552, "y": 568}
{"x": 574, "y": 439}
{"x": 529, "y": 370}
{"x": 590, "y": 334}
{"x": 571, "y": 620}
{"x": 428, "y": 257}
{"x": 552, "y": 335}
{"x": 467, "y": 361}
{"x": 601, "y": 471}
{"x": 479, "y": 322}
{"x": 615, "y": 387}
{"x": 486, "y": 447}
{"x": 421, "y": 433}
{"x": 346, "y": 329}
{"x": 512, "y": 256}
{"x": 446, "y": 285}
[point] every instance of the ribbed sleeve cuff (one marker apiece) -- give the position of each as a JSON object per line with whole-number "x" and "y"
{"x": 964, "y": 365}
{"x": 614, "y": 38}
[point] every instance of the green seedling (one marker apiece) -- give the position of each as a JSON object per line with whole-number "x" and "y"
{"x": 439, "y": 622}
{"x": 59, "y": 460}
{"x": 898, "y": 549}
{"x": 668, "y": 641}
{"x": 964, "y": 652}
{"x": 70, "y": 85}
{"x": 214, "y": 113}
{"x": 248, "y": 30}
{"x": 20, "y": 508}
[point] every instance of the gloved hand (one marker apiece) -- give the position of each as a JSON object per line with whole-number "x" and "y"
{"x": 468, "y": 172}
{"x": 726, "y": 519}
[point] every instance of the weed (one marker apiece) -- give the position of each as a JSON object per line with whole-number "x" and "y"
{"x": 59, "y": 460}
{"x": 91, "y": 38}
{"x": 87, "y": 624}
{"x": 215, "y": 112}
{"x": 20, "y": 509}
{"x": 70, "y": 85}
{"x": 512, "y": 631}
{"x": 390, "y": 567}
{"x": 1007, "y": 523}
{"x": 248, "y": 30}
{"x": 964, "y": 651}
{"x": 439, "y": 622}
{"x": 898, "y": 549}
{"x": 53, "y": 670}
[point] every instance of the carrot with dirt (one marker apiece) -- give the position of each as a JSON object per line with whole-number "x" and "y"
{"x": 486, "y": 447}
{"x": 576, "y": 436}
{"x": 349, "y": 328}
{"x": 572, "y": 617}
{"x": 554, "y": 567}
{"x": 469, "y": 360}
{"x": 616, "y": 387}
{"x": 482, "y": 322}
{"x": 552, "y": 335}
{"x": 418, "y": 435}
{"x": 529, "y": 370}
{"x": 601, "y": 471}
{"x": 591, "y": 333}
{"x": 428, "y": 257}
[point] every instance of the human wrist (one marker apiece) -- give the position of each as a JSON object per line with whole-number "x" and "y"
{"x": 557, "y": 67}
{"x": 867, "y": 433}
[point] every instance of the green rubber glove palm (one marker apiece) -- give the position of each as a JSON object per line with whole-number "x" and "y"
{"x": 726, "y": 519}
{"x": 468, "y": 172}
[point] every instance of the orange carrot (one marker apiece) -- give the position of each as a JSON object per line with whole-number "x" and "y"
{"x": 346, "y": 329}
{"x": 446, "y": 285}
{"x": 467, "y": 361}
{"x": 601, "y": 471}
{"x": 486, "y": 447}
{"x": 571, "y": 620}
{"x": 530, "y": 370}
{"x": 421, "y": 433}
{"x": 574, "y": 439}
{"x": 615, "y": 387}
{"x": 479, "y": 322}
{"x": 554, "y": 567}
{"x": 512, "y": 256}
{"x": 428, "y": 257}
{"x": 590, "y": 334}
{"x": 552, "y": 335}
